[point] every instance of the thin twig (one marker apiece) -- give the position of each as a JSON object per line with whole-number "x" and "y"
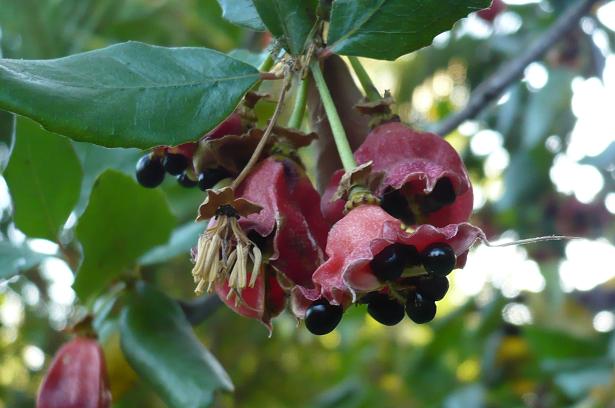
{"x": 263, "y": 142}
{"x": 511, "y": 71}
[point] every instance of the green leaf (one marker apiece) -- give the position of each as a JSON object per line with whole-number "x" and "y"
{"x": 95, "y": 160}
{"x": 160, "y": 345}
{"x": 387, "y": 29}
{"x": 44, "y": 178}
{"x": 121, "y": 222}
{"x": 7, "y": 137}
{"x": 291, "y": 21}
{"x": 556, "y": 344}
{"x": 16, "y": 258}
{"x": 182, "y": 240}
{"x": 128, "y": 95}
{"x": 243, "y": 13}
{"x": 249, "y": 57}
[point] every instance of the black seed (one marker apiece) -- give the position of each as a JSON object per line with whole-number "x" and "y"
{"x": 322, "y": 317}
{"x": 175, "y": 163}
{"x": 258, "y": 240}
{"x": 438, "y": 258}
{"x": 442, "y": 195}
{"x": 149, "y": 171}
{"x": 389, "y": 263}
{"x": 432, "y": 287}
{"x": 419, "y": 309}
{"x": 443, "y": 192}
{"x": 394, "y": 203}
{"x": 385, "y": 310}
{"x": 209, "y": 178}
{"x": 185, "y": 181}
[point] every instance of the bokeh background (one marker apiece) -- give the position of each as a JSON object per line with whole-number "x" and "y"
{"x": 521, "y": 326}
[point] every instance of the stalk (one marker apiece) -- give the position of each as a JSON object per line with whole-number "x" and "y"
{"x": 339, "y": 134}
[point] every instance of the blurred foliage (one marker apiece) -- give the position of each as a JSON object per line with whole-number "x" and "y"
{"x": 481, "y": 351}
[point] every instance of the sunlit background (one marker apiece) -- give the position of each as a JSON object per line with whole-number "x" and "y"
{"x": 542, "y": 161}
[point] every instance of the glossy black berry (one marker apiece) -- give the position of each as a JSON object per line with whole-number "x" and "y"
{"x": 385, "y": 310}
{"x": 322, "y": 317}
{"x": 209, "y": 178}
{"x": 419, "y": 309}
{"x": 389, "y": 263}
{"x": 438, "y": 258}
{"x": 432, "y": 287}
{"x": 174, "y": 163}
{"x": 185, "y": 181}
{"x": 149, "y": 171}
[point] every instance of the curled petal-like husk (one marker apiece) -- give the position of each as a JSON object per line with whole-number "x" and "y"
{"x": 264, "y": 301}
{"x": 291, "y": 219}
{"x": 77, "y": 377}
{"x": 408, "y": 156}
{"x": 291, "y": 212}
{"x": 413, "y": 160}
{"x": 357, "y": 237}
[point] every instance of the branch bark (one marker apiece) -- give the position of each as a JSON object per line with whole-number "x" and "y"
{"x": 511, "y": 71}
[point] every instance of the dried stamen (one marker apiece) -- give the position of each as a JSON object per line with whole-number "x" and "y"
{"x": 223, "y": 254}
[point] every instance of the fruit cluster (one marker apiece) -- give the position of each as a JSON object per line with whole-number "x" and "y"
{"x": 274, "y": 237}
{"x": 179, "y": 161}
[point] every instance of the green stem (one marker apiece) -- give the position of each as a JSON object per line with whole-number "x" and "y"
{"x": 296, "y": 118}
{"x": 371, "y": 92}
{"x": 339, "y": 134}
{"x": 267, "y": 64}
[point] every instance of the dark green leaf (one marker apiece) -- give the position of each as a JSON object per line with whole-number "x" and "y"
{"x": 243, "y": 13}
{"x": 16, "y": 258}
{"x": 387, "y": 29}
{"x": 252, "y": 58}
{"x": 96, "y": 159}
{"x": 289, "y": 20}
{"x": 122, "y": 221}
{"x": 128, "y": 95}
{"x": 160, "y": 345}
{"x": 182, "y": 240}
{"x": 555, "y": 344}
{"x": 44, "y": 177}
{"x": 7, "y": 137}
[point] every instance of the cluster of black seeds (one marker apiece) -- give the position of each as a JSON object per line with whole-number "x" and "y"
{"x": 415, "y": 296}
{"x": 151, "y": 169}
{"x": 397, "y": 205}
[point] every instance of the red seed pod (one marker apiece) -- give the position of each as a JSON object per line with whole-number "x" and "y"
{"x": 425, "y": 180}
{"x": 489, "y": 14}
{"x": 290, "y": 226}
{"x": 357, "y": 238}
{"x": 231, "y": 126}
{"x": 77, "y": 377}
{"x": 264, "y": 301}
